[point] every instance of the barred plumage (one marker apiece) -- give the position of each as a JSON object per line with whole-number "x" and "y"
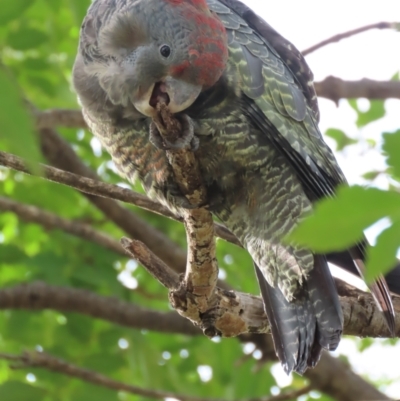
{"x": 250, "y": 97}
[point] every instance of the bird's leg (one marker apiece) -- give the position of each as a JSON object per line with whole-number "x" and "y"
{"x": 185, "y": 140}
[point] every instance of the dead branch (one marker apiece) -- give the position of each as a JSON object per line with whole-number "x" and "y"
{"x": 338, "y": 37}
{"x": 227, "y": 314}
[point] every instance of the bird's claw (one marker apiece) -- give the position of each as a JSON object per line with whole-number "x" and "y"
{"x": 187, "y": 140}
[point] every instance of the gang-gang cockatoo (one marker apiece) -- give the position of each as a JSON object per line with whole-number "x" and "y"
{"x": 246, "y": 99}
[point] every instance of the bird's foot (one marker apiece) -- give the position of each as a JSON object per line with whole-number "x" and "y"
{"x": 186, "y": 140}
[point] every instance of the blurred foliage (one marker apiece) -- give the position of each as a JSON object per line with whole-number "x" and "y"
{"x": 38, "y": 41}
{"x": 339, "y": 222}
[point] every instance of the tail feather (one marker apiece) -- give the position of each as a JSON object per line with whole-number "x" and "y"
{"x": 353, "y": 262}
{"x": 381, "y": 294}
{"x": 323, "y": 294}
{"x": 311, "y": 321}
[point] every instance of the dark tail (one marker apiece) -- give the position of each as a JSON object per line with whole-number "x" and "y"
{"x": 310, "y": 322}
{"x": 344, "y": 260}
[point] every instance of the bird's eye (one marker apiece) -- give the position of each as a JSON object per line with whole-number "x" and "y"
{"x": 165, "y": 51}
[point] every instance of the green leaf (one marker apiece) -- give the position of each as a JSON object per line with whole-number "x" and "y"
{"x": 382, "y": 257}
{"x": 26, "y": 38}
{"x": 17, "y": 391}
{"x": 11, "y": 9}
{"x": 341, "y": 139}
{"x": 391, "y": 146}
{"x": 339, "y": 222}
{"x": 375, "y": 112}
{"x": 16, "y": 125}
{"x": 371, "y": 175}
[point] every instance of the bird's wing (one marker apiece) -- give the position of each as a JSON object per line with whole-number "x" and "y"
{"x": 279, "y": 97}
{"x": 280, "y": 100}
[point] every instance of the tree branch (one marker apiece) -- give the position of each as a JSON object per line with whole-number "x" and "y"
{"x": 335, "y": 89}
{"x": 338, "y": 37}
{"x": 233, "y": 313}
{"x": 60, "y": 154}
{"x": 334, "y": 377}
{"x": 39, "y": 295}
{"x": 59, "y": 118}
{"x": 88, "y": 185}
{"x": 46, "y": 361}
{"x": 100, "y": 189}
{"x": 51, "y": 221}
{"x": 201, "y": 268}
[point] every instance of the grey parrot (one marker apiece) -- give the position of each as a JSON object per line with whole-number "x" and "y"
{"x": 246, "y": 98}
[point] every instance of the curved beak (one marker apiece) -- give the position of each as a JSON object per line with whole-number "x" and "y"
{"x": 177, "y": 94}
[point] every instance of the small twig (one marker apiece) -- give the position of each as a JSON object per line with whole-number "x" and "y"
{"x": 154, "y": 265}
{"x": 43, "y": 360}
{"x": 344, "y": 35}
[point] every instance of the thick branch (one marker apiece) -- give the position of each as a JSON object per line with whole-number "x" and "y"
{"x": 344, "y": 35}
{"x": 233, "y": 313}
{"x": 39, "y": 296}
{"x": 335, "y": 89}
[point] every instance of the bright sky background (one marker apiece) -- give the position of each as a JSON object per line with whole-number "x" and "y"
{"x": 374, "y": 54}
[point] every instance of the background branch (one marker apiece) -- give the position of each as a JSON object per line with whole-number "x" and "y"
{"x": 368, "y": 88}
{"x": 338, "y": 37}
{"x": 39, "y": 295}
{"x": 46, "y": 361}
{"x": 335, "y": 89}
{"x": 51, "y": 221}
{"x": 95, "y": 187}
{"x": 60, "y": 154}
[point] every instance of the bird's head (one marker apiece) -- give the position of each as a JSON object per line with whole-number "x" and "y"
{"x": 152, "y": 50}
